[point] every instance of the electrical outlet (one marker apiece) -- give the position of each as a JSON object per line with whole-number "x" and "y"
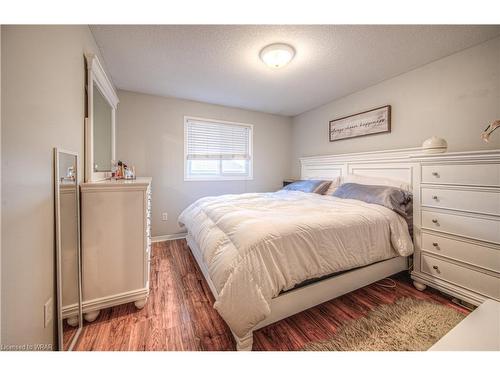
{"x": 48, "y": 312}
{"x": 164, "y": 216}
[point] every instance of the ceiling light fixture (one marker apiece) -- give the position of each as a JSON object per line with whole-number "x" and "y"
{"x": 277, "y": 55}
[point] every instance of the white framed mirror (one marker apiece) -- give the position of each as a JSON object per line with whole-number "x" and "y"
{"x": 68, "y": 253}
{"x": 100, "y": 122}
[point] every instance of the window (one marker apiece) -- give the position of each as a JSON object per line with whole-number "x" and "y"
{"x": 217, "y": 150}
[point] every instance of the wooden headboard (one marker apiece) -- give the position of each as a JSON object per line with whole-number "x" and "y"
{"x": 391, "y": 164}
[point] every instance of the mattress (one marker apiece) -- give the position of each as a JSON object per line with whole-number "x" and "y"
{"x": 255, "y": 246}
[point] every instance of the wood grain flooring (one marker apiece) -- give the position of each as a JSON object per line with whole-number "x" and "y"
{"x": 179, "y": 313}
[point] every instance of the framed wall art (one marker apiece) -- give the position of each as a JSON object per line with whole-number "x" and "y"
{"x": 374, "y": 121}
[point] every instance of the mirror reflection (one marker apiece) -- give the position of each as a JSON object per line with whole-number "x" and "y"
{"x": 102, "y": 132}
{"x": 68, "y": 249}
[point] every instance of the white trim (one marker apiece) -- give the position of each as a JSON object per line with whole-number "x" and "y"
{"x": 187, "y": 117}
{"x": 114, "y": 300}
{"x": 98, "y": 304}
{"x": 370, "y": 156}
{"x": 248, "y": 177}
{"x": 97, "y": 75}
{"x": 395, "y": 165}
{"x": 467, "y": 156}
{"x": 168, "y": 237}
{"x": 140, "y": 183}
{"x": 219, "y": 178}
{"x": 101, "y": 79}
{"x": 449, "y": 288}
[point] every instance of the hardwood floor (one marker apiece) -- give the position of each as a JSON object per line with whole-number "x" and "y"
{"x": 179, "y": 313}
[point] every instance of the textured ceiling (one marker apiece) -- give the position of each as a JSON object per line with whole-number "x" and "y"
{"x": 220, "y": 64}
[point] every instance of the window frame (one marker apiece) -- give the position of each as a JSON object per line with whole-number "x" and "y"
{"x": 221, "y": 176}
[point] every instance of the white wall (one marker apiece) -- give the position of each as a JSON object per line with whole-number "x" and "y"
{"x": 150, "y": 135}
{"x": 455, "y": 98}
{"x": 43, "y": 106}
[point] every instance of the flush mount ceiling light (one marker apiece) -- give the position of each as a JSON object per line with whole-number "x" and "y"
{"x": 277, "y": 55}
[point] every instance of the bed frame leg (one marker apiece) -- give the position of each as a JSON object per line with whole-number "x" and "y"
{"x": 244, "y": 343}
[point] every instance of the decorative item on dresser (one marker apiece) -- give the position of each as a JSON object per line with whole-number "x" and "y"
{"x": 434, "y": 145}
{"x": 457, "y": 224}
{"x": 116, "y": 243}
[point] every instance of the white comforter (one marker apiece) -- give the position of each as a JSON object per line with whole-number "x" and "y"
{"x": 257, "y": 245}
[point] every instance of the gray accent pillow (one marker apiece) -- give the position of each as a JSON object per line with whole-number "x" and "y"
{"x": 309, "y": 186}
{"x": 396, "y": 199}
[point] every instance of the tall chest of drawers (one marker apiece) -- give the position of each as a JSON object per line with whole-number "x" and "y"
{"x": 116, "y": 244}
{"x": 457, "y": 224}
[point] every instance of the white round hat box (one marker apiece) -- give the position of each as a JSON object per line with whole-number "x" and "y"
{"x": 434, "y": 145}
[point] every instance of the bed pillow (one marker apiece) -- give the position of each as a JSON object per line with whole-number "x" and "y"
{"x": 336, "y": 182}
{"x": 309, "y": 186}
{"x": 396, "y": 199}
{"x": 369, "y": 180}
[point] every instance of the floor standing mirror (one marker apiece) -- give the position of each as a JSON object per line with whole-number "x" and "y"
{"x": 68, "y": 256}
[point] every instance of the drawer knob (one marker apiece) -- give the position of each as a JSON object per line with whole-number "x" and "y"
{"x": 435, "y": 174}
{"x": 435, "y": 221}
{"x": 435, "y": 197}
{"x": 436, "y": 268}
{"x": 435, "y": 244}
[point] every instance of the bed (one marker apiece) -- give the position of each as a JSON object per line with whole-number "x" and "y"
{"x": 267, "y": 256}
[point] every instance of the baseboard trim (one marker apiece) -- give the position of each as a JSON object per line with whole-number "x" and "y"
{"x": 169, "y": 237}
{"x": 107, "y": 301}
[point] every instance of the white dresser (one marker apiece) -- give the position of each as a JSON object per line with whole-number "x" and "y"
{"x": 116, "y": 243}
{"x": 457, "y": 224}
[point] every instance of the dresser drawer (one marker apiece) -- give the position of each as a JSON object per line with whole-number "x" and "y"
{"x": 473, "y": 227}
{"x": 486, "y": 202}
{"x": 476, "y": 281}
{"x": 481, "y": 256}
{"x": 462, "y": 174}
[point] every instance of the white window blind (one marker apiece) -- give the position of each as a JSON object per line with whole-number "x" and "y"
{"x": 217, "y": 141}
{"x": 217, "y": 150}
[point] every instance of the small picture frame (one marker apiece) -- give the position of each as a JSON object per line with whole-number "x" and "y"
{"x": 373, "y": 121}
